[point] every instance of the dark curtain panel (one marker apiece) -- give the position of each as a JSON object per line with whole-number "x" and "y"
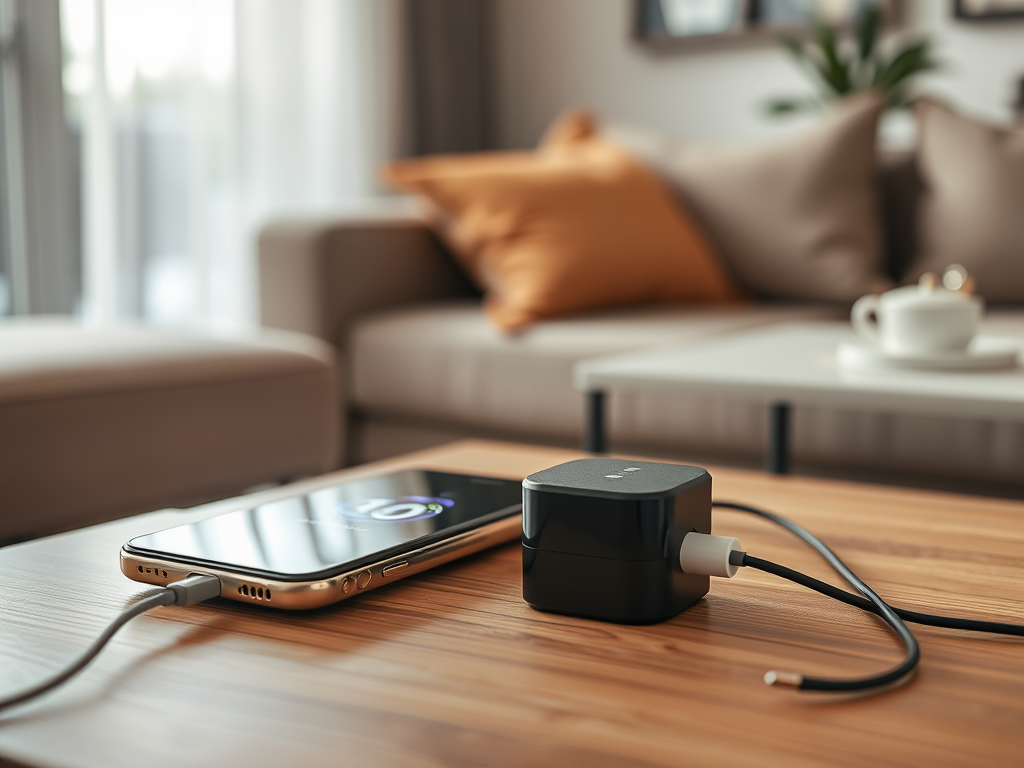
{"x": 446, "y": 75}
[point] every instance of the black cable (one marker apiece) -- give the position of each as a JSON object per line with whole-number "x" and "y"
{"x": 928, "y": 619}
{"x": 193, "y": 589}
{"x": 913, "y": 651}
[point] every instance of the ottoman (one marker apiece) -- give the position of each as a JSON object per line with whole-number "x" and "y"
{"x": 102, "y": 423}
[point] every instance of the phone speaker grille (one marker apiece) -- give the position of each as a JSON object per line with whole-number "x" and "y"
{"x": 254, "y": 592}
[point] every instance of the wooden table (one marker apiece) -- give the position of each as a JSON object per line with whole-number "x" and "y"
{"x": 453, "y": 668}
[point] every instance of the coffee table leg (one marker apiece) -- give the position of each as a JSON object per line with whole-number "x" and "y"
{"x": 593, "y": 440}
{"x": 777, "y": 460}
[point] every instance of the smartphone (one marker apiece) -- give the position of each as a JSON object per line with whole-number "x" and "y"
{"x": 314, "y": 549}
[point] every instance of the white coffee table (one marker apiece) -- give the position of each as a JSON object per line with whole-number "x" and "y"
{"x": 790, "y": 365}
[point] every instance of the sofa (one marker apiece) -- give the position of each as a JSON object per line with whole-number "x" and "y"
{"x": 423, "y": 365}
{"x": 98, "y": 423}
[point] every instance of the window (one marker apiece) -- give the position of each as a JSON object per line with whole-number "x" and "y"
{"x": 150, "y": 102}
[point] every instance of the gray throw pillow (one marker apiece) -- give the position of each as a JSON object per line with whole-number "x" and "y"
{"x": 971, "y": 210}
{"x": 793, "y": 219}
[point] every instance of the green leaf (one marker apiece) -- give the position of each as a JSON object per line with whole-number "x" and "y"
{"x": 833, "y": 71}
{"x": 868, "y": 23}
{"x": 797, "y": 48}
{"x": 910, "y": 61}
{"x": 792, "y": 106}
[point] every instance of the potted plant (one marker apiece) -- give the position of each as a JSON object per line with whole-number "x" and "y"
{"x": 840, "y": 67}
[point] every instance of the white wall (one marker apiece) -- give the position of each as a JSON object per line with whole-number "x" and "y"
{"x": 551, "y": 54}
{"x": 984, "y": 61}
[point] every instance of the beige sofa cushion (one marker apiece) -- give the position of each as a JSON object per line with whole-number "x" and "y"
{"x": 430, "y": 374}
{"x": 445, "y": 363}
{"x": 972, "y": 207}
{"x": 98, "y": 424}
{"x": 794, "y": 219}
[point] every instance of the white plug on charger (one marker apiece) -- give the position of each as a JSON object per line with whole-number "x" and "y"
{"x": 705, "y": 554}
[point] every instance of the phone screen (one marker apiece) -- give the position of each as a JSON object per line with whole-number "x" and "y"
{"x": 334, "y": 529}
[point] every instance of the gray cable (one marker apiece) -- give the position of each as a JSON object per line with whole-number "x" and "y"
{"x": 194, "y": 589}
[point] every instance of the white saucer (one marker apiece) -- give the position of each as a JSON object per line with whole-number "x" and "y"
{"x": 984, "y": 353}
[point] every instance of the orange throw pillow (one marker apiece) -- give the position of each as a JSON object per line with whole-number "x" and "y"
{"x": 576, "y": 225}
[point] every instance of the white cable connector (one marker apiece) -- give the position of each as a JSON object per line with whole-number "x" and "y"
{"x": 195, "y": 588}
{"x": 705, "y": 554}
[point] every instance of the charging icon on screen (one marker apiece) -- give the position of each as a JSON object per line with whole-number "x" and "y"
{"x": 387, "y": 510}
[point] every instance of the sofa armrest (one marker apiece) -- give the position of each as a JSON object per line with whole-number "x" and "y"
{"x": 317, "y": 276}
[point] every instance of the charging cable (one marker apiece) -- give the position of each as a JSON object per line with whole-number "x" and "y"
{"x": 196, "y": 588}
{"x": 711, "y": 555}
{"x": 699, "y": 553}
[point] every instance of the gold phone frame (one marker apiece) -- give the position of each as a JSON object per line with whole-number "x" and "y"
{"x": 302, "y": 595}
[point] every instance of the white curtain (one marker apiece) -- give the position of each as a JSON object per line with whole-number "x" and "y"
{"x": 199, "y": 119}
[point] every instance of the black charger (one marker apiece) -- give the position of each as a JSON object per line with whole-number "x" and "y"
{"x": 631, "y": 542}
{"x": 602, "y": 537}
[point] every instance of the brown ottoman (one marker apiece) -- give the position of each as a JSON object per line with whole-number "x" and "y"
{"x": 97, "y": 424}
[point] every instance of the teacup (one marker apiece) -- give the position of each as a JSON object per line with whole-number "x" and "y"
{"x": 918, "y": 319}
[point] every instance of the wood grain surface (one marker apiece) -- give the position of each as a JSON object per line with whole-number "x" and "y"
{"x": 453, "y": 668}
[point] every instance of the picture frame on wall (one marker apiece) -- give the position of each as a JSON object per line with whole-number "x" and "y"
{"x": 668, "y": 25}
{"x": 698, "y": 18}
{"x": 988, "y": 10}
